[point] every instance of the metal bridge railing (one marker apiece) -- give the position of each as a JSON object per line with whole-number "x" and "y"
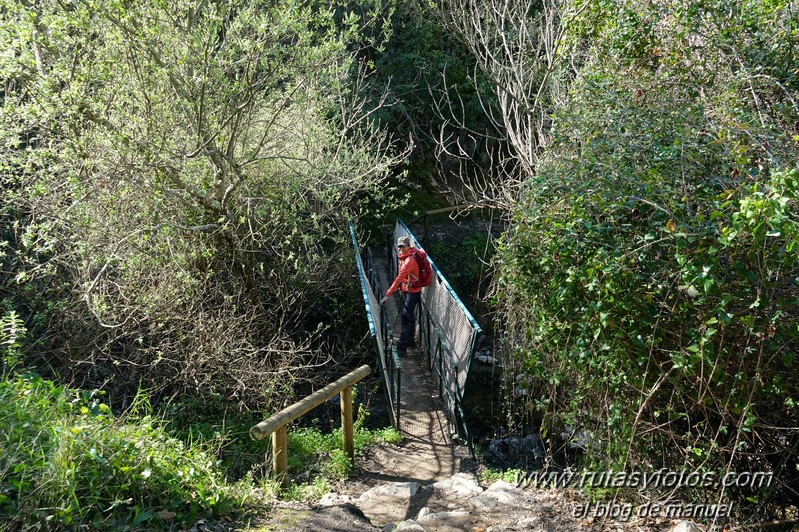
{"x": 388, "y": 363}
{"x": 448, "y": 335}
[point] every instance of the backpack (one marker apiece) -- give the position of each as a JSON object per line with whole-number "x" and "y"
{"x": 425, "y": 270}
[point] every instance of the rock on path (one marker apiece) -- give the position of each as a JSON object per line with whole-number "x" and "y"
{"x": 459, "y": 503}
{"x": 455, "y": 504}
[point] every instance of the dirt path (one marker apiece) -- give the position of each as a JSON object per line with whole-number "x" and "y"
{"x": 427, "y": 453}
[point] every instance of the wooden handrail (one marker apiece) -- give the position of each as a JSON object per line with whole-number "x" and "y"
{"x": 276, "y": 425}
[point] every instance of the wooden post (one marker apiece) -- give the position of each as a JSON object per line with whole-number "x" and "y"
{"x": 276, "y": 425}
{"x": 346, "y": 422}
{"x": 280, "y": 462}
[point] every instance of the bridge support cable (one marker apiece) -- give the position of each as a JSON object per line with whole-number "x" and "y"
{"x": 388, "y": 363}
{"x": 448, "y": 335}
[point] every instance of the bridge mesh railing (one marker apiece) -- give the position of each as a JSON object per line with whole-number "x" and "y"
{"x": 447, "y": 333}
{"x": 386, "y": 351}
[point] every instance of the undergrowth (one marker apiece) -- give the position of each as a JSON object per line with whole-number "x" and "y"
{"x": 66, "y": 461}
{"x": 223, "y": 428}
{"x": 316, "y": 459}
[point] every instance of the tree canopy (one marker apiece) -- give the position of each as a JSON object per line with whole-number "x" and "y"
{"x": 178, "y": 176}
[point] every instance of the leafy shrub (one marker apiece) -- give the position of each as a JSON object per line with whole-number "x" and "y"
{"x": 649, "y": 284}
{"x": 67, "y": 462}
{"x": 209, "y": 176}
{"x": 511, "y": 476}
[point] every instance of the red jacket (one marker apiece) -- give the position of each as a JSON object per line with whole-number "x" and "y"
{"x": 408, "y": 273}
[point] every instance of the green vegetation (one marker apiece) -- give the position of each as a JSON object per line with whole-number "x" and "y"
{"x": 511, "y": 476}
{"x": 316, "y": 460}
{"x": 176, "y": 180}
{"x": 648, "y": 285}
{"x": 219, "y": 426}
{"x": 66, "y": 461}
{"x": 423, "y": 64}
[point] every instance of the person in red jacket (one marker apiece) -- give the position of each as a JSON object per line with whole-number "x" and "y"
{"x": 407, "y": 281}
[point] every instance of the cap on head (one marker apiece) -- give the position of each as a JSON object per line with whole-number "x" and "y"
{"x": 404, "y": 241}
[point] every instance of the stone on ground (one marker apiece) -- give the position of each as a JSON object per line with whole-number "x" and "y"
{"x": 388, "y": 502}
{"x": 499, "y": 494}
{"x": 463, "y": 484}
{"x": 686, "y": 526}
{"x": 410, "y": 526}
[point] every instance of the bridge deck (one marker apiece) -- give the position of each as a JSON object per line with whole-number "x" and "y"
{"x": 422, "y": 418}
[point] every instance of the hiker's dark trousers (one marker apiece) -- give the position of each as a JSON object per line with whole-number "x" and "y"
{"x": 408, "y": 319}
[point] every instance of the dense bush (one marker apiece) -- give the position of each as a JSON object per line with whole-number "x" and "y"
{"x": 176, "y": 181}
{"x": 649, "y": 283}
{"x": 67, "y": 462}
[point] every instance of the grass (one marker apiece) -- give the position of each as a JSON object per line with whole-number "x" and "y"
{"x": 212, "y": 422}
{"x": 68, "y": 462}
{"x": 511, "y": 476}
{"x": 316, "y": 460}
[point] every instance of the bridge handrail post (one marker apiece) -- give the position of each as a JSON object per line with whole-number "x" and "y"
{"x": 347, "y": 433}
